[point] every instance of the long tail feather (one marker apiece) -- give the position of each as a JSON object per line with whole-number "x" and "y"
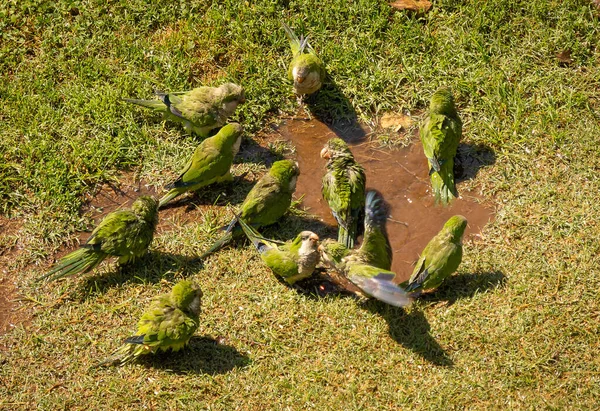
{"x": 223, "y": 241}
{"x": 383, "y": 290}
{"x": 168, "y": 197}
{"x": 442, "y": 183}
{"x": 346, "y": 237}
{"x": 79, "y": 261}
{"x": 294, "y": 40}
{"x": 156, "y": 105}
{"x": 125, "y": 354}
{"x": 253, "y": 235}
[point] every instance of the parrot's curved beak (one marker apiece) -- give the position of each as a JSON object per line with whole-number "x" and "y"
{"x": 325, "y": 153}
{"x": 300, "y": 79}
{"x": 314, "y": 238}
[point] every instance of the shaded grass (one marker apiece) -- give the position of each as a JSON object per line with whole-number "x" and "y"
{"x": 528, "y": 339}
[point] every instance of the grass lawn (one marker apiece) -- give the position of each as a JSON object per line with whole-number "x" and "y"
{"x": 518, "y": 326}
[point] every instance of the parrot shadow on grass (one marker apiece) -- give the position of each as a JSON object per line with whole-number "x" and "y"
{"x": 470, "y": 158}
{"x": 459, "y": 286}
{"x": 252, "y": 152}
{"x": 335, "y": 110}
{"x": 151, "y": 268}
{"x": 202, "y": 355}
{"x": 412, "y": 331}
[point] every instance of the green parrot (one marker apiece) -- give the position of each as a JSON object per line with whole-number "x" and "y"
{"x": 199, "y": 110}
{"x": 343, "y": 188}
{"x": 440, "y": 135}
{"x": 306, "y": 70}
{"x": 123, "y": 233}
{"x": 209, "y": 164}
{"x": 169, "y": 323}
{"x": 292, "y": 261}
{"x": 440, "y": 258}
{"x": 268, "y": 200}
{"x": 368, "y": 267}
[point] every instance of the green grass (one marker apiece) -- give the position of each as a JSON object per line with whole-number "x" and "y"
{"x": 529, "y": 341}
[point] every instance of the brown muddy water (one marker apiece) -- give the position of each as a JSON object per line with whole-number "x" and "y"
{"x": 401, "y": 175}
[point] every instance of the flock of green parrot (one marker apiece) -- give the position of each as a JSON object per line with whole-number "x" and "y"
{"x": 172, "y": 319}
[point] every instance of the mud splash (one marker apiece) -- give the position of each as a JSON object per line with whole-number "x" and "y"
{"x": 401, "y": 175}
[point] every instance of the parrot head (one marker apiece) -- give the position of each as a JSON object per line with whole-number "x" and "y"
{"x": 234, "y": 130}
{"x": 332, "y": 252}
{"x": 455, "y": 226}
{"x": 442, "y": 102}
{"x": 287, "y": 172}
{"x": 187, "y": 296}
{"x": 232, "y": 93}
{"x": 309, "y": 241}
{"x": 145, "y": 207}
{"x": 335, "y": 148}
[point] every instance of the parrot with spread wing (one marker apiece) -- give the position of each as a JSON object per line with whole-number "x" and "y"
{"x": 268, "y": 200}
{"x": 294, "y": 260}
{"x": 306, "y": 69}
{"x": 169, "y": 323}
{"x": 209, "y": 164}
{"x": 440, "y": 135}
{"x": 440, "y": 258}
{"x": 199, "y": 110}
{"x": 125, "y": 234}
{"x": 343, "y": 189}
{"x": 368, "y": 267}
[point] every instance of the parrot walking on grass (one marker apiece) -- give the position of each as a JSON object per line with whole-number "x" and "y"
{"x": 294, "y": 260}
{"x": 306, "y": 69}
{"x": 268, "y": 200}
{"x": 440, "y": 258}
{"x": 344, "y": 189}
{"x": 369, "y": 266}
{"x": 209, "y": 164}
{"x": 199, "y": 110}
{"x": 125, "y": 234}
{"x": 440, "y": 135}
{"x": 169, "y": 323}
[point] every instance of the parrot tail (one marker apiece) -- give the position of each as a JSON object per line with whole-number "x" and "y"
{"x": 443, "y": 183}
{"x": 347, "y": 235}
{"x": 297, "y": 45}
{"x": 223, "y": 241}
{"x": 168, "y": 197}
{"x": 251, "y": 233}
{"x": 383, "y": 290}
{"x": 125, "y": 354}
{"x": 156, "y": 105}
{"x": 79, "y": 261}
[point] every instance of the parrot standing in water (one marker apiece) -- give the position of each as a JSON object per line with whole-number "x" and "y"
{"x": 368, "y": 267}
{"x": 126, "y": 234}
{"x": 343, "y": 189}
{"x": 209, "y": 164}
{"x": 440, "y": 258}
{"x": 199, "y": 110}
{"x": 306, "y": 70}
{"x": 294, "y": 260}
{"x": 169, "y": 323}
{"x": 268, "y": 200}
{"x": 440, "y": 135}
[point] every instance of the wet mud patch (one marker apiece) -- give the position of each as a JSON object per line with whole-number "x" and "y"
{"x": 401, "y": 175}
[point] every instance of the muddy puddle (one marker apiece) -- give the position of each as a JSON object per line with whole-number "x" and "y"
{"x": 401, "y": 175}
